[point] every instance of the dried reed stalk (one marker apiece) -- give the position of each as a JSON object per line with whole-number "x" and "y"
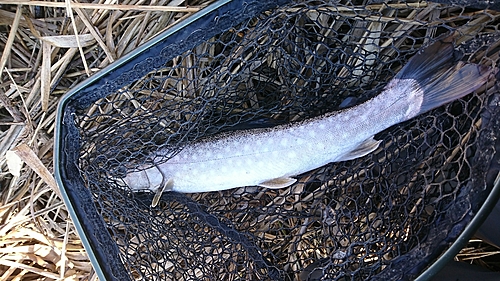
{"x": 41, "y": 59}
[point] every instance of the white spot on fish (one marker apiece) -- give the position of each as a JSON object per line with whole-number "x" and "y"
{"x": 275, "y": 153}
{"x": 292, "y": 154}
{"x": 246, "y": 147}
{"x": 248, "y": 162}
{"x": 322, "y": 126}
{"x": 312, "y": 134}
{"x": 209, "y": 154}
{"x": 284, "y": 141}
{"x": 300, "y": 141}
{"x": 223, "y": 169}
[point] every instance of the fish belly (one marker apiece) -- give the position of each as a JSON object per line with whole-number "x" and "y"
{"x": 253, "y": 159}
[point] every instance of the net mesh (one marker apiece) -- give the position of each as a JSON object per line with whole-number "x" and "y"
{"x": 385, "y": 216}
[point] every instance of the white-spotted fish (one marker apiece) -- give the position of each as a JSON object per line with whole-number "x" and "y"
{"x": 270, "y": 157}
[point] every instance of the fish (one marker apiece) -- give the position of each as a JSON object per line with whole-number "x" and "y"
{"x": 271, "y": 157}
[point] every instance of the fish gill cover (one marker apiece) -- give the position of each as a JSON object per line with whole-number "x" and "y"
{"x": 384, "y": 216}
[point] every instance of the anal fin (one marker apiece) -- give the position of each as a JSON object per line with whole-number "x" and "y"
{"x": 366, "y": 147}
{"x": 278, "y": 182}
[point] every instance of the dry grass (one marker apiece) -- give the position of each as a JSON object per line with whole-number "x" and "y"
{"x": 41, "y": 60}
{"x": 480, "y": 253}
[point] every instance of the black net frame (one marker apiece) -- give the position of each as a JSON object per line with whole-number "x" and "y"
{"x": 386, "y": 216}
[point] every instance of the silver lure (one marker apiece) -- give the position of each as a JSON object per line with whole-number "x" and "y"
{"x": 269, "y": 157}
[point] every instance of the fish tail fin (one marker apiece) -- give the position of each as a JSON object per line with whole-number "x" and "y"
{"x": 441, "y": 76}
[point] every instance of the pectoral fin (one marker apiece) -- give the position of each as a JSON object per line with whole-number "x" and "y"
{"x": 165, "y": 186}
{"x": 366, "y": 147}
{"x": 278, "y": 182}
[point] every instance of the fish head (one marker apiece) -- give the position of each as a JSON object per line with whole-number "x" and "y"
{"x": 149, "y": 179}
